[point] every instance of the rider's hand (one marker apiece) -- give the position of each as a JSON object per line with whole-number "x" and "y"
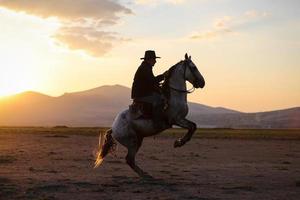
{"x": 166, "y": 74}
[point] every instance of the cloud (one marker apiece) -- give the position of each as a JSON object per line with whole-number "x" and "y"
{"x": 223, "y": 22}
{"x": 210, "y": 34}
{"x": 156, "y": 2}
{"x": 82, "y": 21}
{"x": 77, "y": 42}
{"x": 228, "y": 25}
{"x": 91, "y": 40}
{"x": 68, "y": 9}
{"x": 255, "y": 14}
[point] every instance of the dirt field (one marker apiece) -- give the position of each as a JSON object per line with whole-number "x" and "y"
{"x": 54, "y": 164}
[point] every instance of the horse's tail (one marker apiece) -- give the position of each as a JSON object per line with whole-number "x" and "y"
{"x": 107, "y": 145}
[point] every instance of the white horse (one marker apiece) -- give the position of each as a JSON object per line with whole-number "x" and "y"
{"x": 130, "y": 132}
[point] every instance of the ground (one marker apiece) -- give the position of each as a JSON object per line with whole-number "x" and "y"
{"x": 54, "y": 164}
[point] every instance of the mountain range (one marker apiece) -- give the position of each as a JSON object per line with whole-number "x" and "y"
{"x": 99, "y": 106}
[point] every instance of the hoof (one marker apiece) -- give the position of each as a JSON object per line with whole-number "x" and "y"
{"x": 178, "y": 143}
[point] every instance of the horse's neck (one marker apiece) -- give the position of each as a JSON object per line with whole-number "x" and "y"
{"x": 177, "y": 100}
{"x": 177, "y": 82}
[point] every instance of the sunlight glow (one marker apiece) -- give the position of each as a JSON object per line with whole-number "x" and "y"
{"x": 22, "y": 40}
{"x": 16, "y": 73}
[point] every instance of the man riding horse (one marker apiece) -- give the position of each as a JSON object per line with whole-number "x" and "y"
{"x": 129, "y": 129}
{"x": 146, "y": 90}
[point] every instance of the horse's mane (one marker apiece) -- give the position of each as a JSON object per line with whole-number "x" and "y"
{"x": 165, "y": 86}
{"x": 171, "y": 70}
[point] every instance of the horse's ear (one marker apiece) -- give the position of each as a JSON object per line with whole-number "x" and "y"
{"x": 186, "y": 56}
{"x": 190, "y": 57}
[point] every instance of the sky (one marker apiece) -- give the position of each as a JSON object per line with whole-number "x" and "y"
{"x": 247, "y": 50}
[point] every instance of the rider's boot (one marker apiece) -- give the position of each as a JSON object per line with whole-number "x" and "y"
{"x": 158, "y": 117}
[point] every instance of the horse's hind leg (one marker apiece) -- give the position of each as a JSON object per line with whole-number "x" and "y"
{"x": 130, "y": 158}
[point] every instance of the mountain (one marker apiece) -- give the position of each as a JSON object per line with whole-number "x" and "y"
{"x": 96, "y": 107}
{"x": 281, "y": 119}
{"x": 99, "y": 106}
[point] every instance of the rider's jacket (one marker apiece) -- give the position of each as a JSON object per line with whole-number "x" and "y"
{"x": 145, "y": 83}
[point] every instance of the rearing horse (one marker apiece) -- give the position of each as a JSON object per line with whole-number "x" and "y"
{"x": 130, "y": 132}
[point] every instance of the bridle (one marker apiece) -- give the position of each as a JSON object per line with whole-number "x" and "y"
{"x": 192, "y": 69}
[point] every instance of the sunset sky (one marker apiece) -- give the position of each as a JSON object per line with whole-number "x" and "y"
{"x": 247, "y": 50}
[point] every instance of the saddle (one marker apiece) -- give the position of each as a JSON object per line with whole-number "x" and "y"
{"x": 140, "y": 109}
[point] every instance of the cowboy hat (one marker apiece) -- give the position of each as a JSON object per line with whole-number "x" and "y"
{"x": 149, "y": 54}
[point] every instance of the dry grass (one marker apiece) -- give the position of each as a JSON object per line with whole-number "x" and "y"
{"x": 57, "y": 163}
{"x": 292, "y": 134}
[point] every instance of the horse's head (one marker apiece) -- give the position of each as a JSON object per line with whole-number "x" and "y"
{"x": 192, "y": 74}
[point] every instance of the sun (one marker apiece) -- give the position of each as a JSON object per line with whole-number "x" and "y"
{"x": 14, "y": 83}
{"x": 16, "y": 73}
{"x": 12, "y": 89}
{"x": 26, "y": 49}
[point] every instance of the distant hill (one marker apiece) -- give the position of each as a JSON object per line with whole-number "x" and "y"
{"x": 282, "y": 119}
{"x": 99, "y": 106}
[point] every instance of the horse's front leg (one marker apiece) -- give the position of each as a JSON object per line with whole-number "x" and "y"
{"x": 191, "y": 126}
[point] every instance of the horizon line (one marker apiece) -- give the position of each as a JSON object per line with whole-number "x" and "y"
{"x": 113, "y": 85}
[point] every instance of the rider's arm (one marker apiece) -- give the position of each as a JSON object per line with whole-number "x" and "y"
{"x": 159, "y": 78}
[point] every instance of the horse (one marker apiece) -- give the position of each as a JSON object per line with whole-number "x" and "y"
{"x": 130, "y": 132}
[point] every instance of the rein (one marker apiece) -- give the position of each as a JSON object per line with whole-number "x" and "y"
{"x": 183, "y": 91}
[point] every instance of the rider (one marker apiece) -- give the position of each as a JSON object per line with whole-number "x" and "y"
{"x": 145, "y": 87}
